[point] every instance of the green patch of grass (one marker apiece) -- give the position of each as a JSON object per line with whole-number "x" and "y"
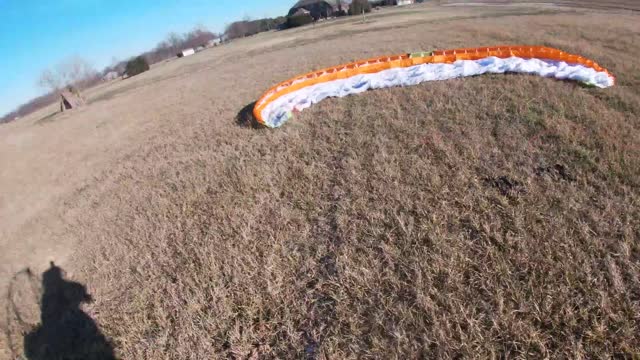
{"x": 614, "y": 101}
{"x": 583, "y": 157}
{"x": 535, "y": 117}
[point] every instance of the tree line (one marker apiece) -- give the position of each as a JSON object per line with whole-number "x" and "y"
{"x": 248, "y": 27}
{"x": 77, "y": 72}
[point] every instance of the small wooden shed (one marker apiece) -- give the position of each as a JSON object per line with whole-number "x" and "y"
{"x": 70, "y": 99}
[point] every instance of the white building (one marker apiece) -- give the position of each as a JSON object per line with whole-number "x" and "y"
{"x": 186, "y": 52}
{"x": 405, "y": 2}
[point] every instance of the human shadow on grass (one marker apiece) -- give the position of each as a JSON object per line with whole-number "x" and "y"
{"x": 65, "y": 331}
{"x": 245, "y": 117}
{"x": 47, "y": 118}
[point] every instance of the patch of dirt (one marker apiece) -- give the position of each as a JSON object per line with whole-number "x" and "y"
{"x": 506, "y": 185}
{"x": 556, "y": 172}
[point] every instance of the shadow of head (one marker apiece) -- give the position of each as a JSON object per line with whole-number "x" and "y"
{"x": 65, "y": 331}
{"x": 60, "y": 295}
{"x": 245, "y": 117}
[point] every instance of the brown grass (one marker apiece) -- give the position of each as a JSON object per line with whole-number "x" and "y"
{"x": 494, "y": 216}
{"x": 631, "y": 5}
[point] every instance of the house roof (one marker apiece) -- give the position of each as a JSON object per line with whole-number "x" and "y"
{"x": 301, "y": 11}
{"x": 302, "y": 3}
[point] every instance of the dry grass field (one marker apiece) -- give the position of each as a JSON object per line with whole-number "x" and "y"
{"x": 487, "y": 217}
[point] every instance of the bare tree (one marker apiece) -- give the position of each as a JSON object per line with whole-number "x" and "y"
{"x": 200, "y": 28}
{"x": 73, "y": 71}
{"x": 199, "y": 36}
{"x": 238, "y": 29}
{"x": 117, "y": 65}
{"x": 174, "y": 40}
{"x": 50, "y": 80}
{"x": 76, "y": 70}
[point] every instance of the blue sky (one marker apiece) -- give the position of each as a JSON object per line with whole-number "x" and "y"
{"x": 37, "y": 34}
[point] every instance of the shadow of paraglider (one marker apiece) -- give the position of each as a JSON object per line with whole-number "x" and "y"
{"x": 245, "y": 117}
{"x": 65, "y": 331}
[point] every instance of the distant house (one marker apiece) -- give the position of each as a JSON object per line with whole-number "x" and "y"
{"x": 214, "y": 42}
{"x": 112, "y": 75}
{"x": 319, "y": 9}
{"x": 406, "y": 2}
{"x": 186, "y": 52}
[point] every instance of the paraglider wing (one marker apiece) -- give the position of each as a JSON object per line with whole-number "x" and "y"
{"x": 277, "y": 104}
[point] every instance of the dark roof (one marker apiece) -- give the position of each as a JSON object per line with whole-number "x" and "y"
{"x": 302, "y": 3}
{"x": 301, "y": 11}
